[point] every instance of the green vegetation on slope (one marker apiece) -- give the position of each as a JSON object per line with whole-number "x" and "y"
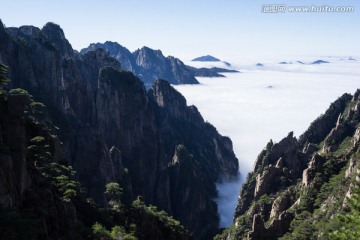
{"x": 306, "y": 188}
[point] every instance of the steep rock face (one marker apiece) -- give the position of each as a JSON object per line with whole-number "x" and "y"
{"x": 56, "y": 36}
{"x": 321, "y": 127}
{"x": 277, "y": 166}
{"x": 176, "y": 179}
{"x": 281, "y": 203}
{"x": 66, "y": 83}
{"x": 13, "y": 150}
{"x": 148, "y": 64}
{"x": 125, "y": 120}
{"x": 112, "y": 130}
{"x": 275, "y": 230}
{"x": 315, "y": 165}
{"x": 186, "y": 126}
{"x": 39, "y": 198}
{"x": 179, "y": 72}
{"x": 180, "y": 128}
{"x": 301, "y": 182}
{"x": 30, "y": 207}
{"x": 155, "y": 65}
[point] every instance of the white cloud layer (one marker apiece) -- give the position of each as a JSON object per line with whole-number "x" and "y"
{"x": 266, "y": 103}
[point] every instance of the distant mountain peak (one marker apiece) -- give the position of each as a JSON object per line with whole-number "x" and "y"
{"x": 207, "y": 58}
{"x": 319, "y": 62}
{"x": 351, "y": 59}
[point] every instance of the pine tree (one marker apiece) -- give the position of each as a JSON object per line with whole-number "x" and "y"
{"x": 350, "y": 222}
{"x": 3, "y": 79}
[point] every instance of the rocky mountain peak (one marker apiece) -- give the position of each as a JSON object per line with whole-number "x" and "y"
{"x": 165, "y": 94}
{"x": 148, "y": 64}
{"x": 2, "y": 33}
{"x": 149, "y": 58}
{"x": 149, "y": 52}
{"x": 356, "y": 95}
{"x": 323, "y": 124}
{"x": 111, "y": 47}
{"x": 273, "y": 152}
{"x": 174, "y": 60}
{"x": 120, "y": 53}
{"x": 30, "y": 31}
{"x": 53, "y": 31}
{"x": 29, "y": 35}
{"x": 101, "y": 58}
{"x": 55, "y": 35}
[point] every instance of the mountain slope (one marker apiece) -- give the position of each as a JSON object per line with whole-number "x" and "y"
{"x": 147, "y": 63}
{"x": 113, "y": 130}
{"x": 210, "y": 72}
{"x": 120, "y": 53}
{"x": 299, "y": 185}
{"x": 39, "y": 197}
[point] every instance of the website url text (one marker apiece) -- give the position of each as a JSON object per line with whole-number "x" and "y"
{"x": 282, "y": 8}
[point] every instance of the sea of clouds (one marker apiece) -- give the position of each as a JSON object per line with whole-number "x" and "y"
{"x": 263, "y": 103}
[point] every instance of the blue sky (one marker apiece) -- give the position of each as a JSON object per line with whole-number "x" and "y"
{"x": 228, "y": 29}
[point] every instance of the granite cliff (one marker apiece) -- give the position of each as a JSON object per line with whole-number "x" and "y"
{"x": 112, "y": 129}
{"x": 39, "y": 196}
{"x": 298, "y": 186}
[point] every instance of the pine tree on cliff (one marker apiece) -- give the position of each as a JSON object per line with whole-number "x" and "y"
{"x": 350, "y": 222}
{"x": 3, "y": 71}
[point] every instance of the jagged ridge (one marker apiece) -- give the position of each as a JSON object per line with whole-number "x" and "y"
{"x": 298, "y": 186}
{"x": 147, "y": 63}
